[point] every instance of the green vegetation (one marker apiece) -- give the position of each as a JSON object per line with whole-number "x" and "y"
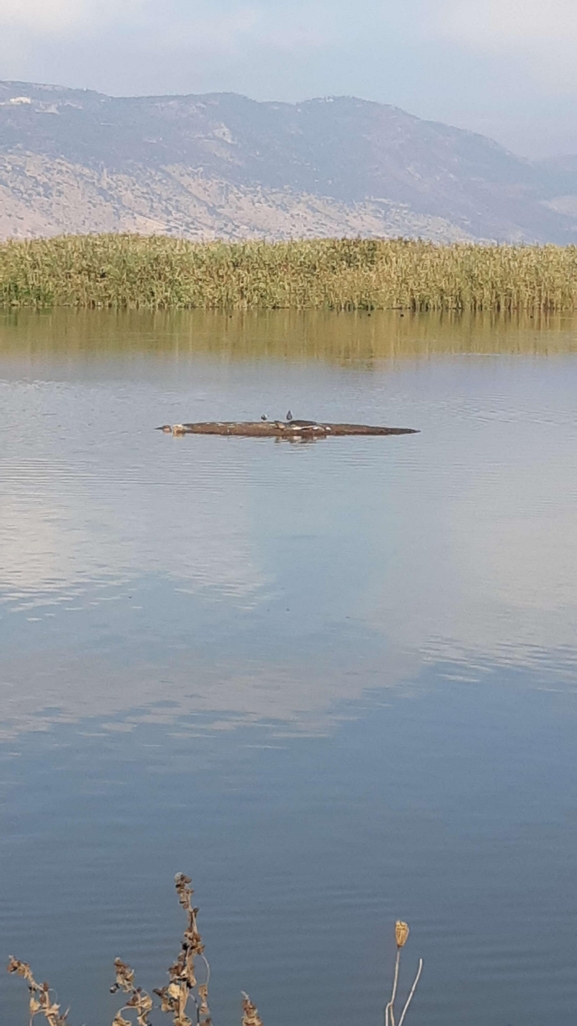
{"x": 157, "y": 273}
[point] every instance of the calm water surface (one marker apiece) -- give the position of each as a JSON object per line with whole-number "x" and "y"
{"x": 336, "y": 683}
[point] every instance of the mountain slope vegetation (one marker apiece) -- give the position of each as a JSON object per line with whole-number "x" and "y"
{"x": 224, "y": 166}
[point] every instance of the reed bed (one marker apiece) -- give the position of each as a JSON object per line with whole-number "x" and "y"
{"x": 158, "y": 273}
{"x": 185, "y": 997}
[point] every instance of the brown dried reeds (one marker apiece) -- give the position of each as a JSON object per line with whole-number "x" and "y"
{"x": 183, "y": 988}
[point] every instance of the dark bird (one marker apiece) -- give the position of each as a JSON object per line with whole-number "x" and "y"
{"x": 289, "y": 415}
{"x": 263, "y": 416}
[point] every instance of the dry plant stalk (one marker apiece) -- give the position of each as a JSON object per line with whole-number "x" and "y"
{"x": 250, "y": 1016}
{"x": 183, "y": 984}
{"x": 139, "y": 1000}
{"x": 401, "y": 938}
{"x": 40, "y": 999}
{"x": 182, "y": 987}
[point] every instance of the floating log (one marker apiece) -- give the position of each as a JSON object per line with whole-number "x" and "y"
{"x": 296, "y": 430}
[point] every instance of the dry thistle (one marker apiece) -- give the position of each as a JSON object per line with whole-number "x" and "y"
{"x": 401, "y": 937}
{"x": 250, "y": 1016}
{"x": 181, "y": 988}
{"x": 139, "y": 1000}
{"x": 183, "y": 985}
{"x": 40, "y": 999}
{"x": 124, "y": 977}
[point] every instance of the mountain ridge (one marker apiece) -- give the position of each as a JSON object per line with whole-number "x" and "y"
{"x": 222, "y": 165}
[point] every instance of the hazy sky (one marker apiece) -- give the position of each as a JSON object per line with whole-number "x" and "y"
{"x": 503, "y": 67}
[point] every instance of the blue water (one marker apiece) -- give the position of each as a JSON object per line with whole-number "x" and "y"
{"x": 335, "y": 683}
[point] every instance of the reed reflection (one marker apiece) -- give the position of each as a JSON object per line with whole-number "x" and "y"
{"x": 149, "y": 578}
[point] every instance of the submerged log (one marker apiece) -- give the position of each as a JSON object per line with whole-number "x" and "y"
{"x": 280, "y": 429}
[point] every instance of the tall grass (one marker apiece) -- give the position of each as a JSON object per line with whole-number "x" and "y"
{"x": 129, "y": 271}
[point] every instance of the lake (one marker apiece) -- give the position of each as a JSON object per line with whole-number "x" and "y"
{"x": 335, "y": 683}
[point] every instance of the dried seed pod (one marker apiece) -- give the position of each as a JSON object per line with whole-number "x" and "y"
{"x": 124, "y": 977}
{"x": 22, "y": 968}
{"x": 401, "y": 933}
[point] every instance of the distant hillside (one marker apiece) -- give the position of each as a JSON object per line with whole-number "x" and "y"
{"x": 221, "y": 165}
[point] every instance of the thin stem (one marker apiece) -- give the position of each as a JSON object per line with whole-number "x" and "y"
{"x": 207, "y": 965}
{"x": 390, "y": 1009}
{"x": 413, "y": 989}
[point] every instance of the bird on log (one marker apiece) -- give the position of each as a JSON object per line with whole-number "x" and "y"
{"x": 289, "y": 430}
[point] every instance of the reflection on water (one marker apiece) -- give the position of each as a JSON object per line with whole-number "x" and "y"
{"x": 336, "y": 683}
{"x": 358, "y": 338}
